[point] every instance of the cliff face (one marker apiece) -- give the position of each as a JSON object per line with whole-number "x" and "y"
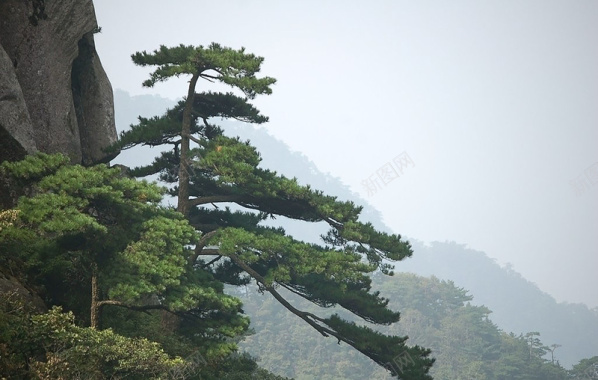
{"x": 54, "y": 93}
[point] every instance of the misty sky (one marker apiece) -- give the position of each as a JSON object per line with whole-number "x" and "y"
{"x": 474, "y": 122}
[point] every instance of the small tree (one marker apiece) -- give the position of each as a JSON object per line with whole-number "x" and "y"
{"x": 536, "y": 348}
{"x": 553, "y": 348}
{"x": 234, "y": 245}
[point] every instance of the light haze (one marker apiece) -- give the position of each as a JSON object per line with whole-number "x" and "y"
{"x": 495, "y": 103}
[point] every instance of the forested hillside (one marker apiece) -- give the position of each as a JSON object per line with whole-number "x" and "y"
{"x": 436, "y": 314}
{"x": 517, "y": 305}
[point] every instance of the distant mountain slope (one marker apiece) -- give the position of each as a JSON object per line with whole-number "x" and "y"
{"x": 126, "y": 110}
{"x": 518, "y": 305}
{"x": 435, "y": 314}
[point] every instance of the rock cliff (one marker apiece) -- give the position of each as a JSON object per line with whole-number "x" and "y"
{"x": 54, "y": 93}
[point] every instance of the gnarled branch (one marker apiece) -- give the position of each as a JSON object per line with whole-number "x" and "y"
{"x": 307, "y": 317}
{"x": 201, "y": 245}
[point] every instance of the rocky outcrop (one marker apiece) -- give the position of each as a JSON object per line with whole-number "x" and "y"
{"x": 11, "y": 289}
{"x": 54, "y": 93}
{"x": 16, "y": 130}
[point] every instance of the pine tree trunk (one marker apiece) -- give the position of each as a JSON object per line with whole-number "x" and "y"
{"x": 183, "y": 198}
{"x": 170, "y": 321}
{"x": 95, "y": 308}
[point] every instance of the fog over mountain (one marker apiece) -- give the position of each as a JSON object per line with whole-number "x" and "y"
{"x": 493, "y": 102}
{"x": 517, "y": 305}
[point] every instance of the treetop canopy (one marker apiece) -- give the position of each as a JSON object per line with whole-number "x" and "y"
{"x": 214, "y": 63}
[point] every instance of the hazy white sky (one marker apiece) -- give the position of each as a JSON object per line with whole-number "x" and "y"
{"x": 494, "y": 102}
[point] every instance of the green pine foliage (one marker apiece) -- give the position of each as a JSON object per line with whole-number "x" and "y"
{"x": 232, "y": 67}
{"x": 101, "y": 245}
{"x": 208, "y": 171}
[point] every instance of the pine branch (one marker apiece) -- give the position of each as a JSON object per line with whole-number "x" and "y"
{"x": 144, "y": 308}
{"x": 216, "y": 199}
{"x": 301, "y": 314}
{"x": 200, "y": 246}
{"x": 211, "y": 262}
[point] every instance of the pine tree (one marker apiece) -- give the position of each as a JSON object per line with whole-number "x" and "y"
{"x": 213, "y": 169}
{"x": 104, "y": 241}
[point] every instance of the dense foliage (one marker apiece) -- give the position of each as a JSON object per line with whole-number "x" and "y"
{"x": 100, "y": 245}
{"x": 51, "y": 346}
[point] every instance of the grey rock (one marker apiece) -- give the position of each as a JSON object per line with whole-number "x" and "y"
{"x": 68, "y": 96}
{"x": 94, "y": 103}
{"x": 12, "y": 289}
{"x": 16, "y": 130}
